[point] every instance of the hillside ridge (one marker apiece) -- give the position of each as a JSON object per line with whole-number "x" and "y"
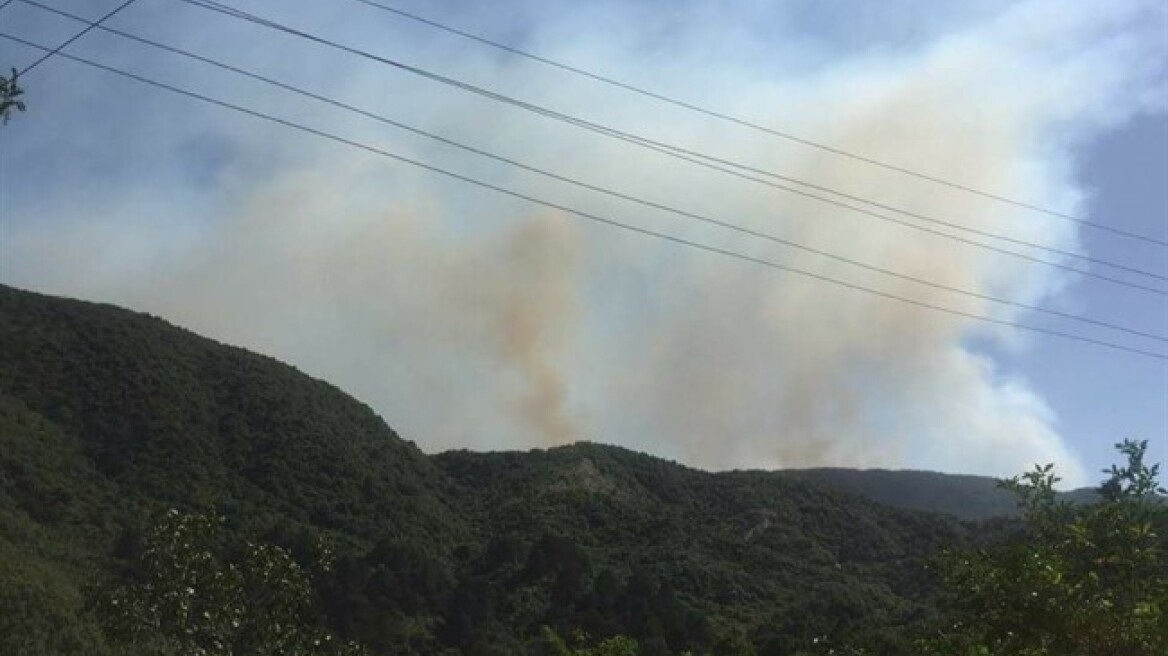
{"x": 108, "y": 417}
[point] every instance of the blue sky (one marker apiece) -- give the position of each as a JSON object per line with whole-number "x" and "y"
{"x": 471, "y": 320}
{"x": 1101, "y": 399}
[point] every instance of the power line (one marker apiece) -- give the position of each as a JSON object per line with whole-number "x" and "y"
{"x": 930, "y": 219}
{"x": 591, "y": 187}
{"x": 682, "y": 154}
{"x": 719, "y": 164}
{"x": 590, "y": 216}
{"x": 754, "y": 126}
{"x": 73, "y": 38}
{"x": 712, "y": 162}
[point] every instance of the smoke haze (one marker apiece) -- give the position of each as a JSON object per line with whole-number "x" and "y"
{"x": 468, "y": 320}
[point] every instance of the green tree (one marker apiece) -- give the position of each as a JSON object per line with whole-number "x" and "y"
{"x": 9, "y": 97}
{"x": 192, "y": 596}
{"x": 552, "y": 644}
{"x": 1083, "y": 580}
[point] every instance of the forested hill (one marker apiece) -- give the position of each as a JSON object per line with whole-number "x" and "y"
{"x": 108, "y": 417}
{"x": 964, "y": 496}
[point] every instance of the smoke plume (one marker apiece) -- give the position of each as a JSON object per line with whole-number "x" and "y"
{"x": 470, "y": 320}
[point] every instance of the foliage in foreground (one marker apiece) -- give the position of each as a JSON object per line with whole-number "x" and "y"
{"x": 1088, "y": 580}
{"x": 10, "y": 94}
{"x": 190, "y": 595}
{"x": 1085, "y": 580}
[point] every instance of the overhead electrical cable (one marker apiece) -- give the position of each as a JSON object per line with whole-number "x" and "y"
{"x": 752, "y": 125}
{"x": 73, "y": 38}
{"x": 591, "y": 216}
{"x": 708, "y": 161}
{"x": 718, "y": 164}
{"x": 924, "y": 217}
{"x": 592, "y": 187}
{"x": 695, "y": 158}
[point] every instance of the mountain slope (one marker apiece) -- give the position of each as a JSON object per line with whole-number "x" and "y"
{"x": 780, "y": 560}
{"x": 966, "y": 497}
{"x": 109, "y": 416}
{"x": 149, "y": 405}
{"x": 963, "y": 496}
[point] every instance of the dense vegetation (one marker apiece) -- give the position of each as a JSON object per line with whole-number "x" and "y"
{"x": 966, "y": 497}
{"x": 1083, "y": 580}
{"x": 111, "y": 419}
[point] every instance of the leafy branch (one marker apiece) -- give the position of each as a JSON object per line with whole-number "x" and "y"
{"x": 10, "y": 93}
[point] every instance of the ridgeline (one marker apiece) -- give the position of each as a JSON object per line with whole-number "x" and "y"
{"x": 109, "y": 417}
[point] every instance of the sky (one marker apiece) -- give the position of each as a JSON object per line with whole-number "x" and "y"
{"x": 468, "y": 318}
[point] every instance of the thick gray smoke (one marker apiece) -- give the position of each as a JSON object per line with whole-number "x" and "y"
{"x": 470, "y": 320}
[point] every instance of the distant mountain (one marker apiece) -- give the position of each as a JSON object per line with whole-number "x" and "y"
{"x": 108, "y": 417}
{"x": 963, "y": 496}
